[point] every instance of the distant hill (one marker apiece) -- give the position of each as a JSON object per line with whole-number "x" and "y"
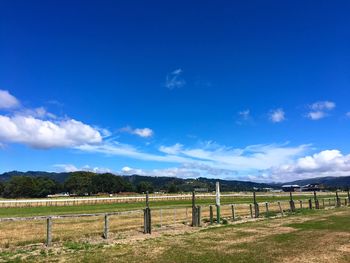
{"x": 333, "y": 182}
{"x": 159, "y": 183}
{"x": 186, "y": 185}
{"x": 59, "y": 177}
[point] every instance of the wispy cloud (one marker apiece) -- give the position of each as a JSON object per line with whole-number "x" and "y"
{"x": 277, "y": 115}
{"x": 174, "y": 149}
{"x": 174, "y": 79}
{"x": 244, "y": 117}
{"x": 142, "y": 132}
{"x": 209, "y": 157}
{"x": 320, "y": 109}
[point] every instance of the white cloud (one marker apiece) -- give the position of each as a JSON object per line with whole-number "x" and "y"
{"x": 142, "y": 132}
{"x": 178, "y": 172}
{"x": 322, "y": 105}
{"x": 66, "y": 168}
{"x": 277, "y": 115}
{"x": 210, "y": 159}
{"x": 324, "y": 163}
{"x": 7, "y": 101}
{"x": 119, "y": 149}
{"x": 347, "y": 114}
{"x": 39, "y": 128}
{"x": 73, "y": 168}
{"x": 130, "y": 171}
{"x": 316, "y": 115}
{"x": 174, "y": 79}
{"x": 145, "y": 132}
{"x": 39, "y": 112}
{"x": 248, "y": 158}
{"x": 320, "y": 109}
{"x": 39, "y": 133}
{"x": 245, "y": 115}
{"x": 175, "y": 149}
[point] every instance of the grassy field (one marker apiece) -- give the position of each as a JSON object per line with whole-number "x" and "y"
{"x": 102, "y": 208}
{"x": 307, "y": 236}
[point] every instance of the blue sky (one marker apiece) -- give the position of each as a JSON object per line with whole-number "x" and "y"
{"x": 251, "y": 90}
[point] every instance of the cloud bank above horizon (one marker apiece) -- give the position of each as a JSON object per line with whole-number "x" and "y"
{"x": 42, "y": 130}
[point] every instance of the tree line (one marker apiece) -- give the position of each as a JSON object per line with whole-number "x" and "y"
{"x": 77, "y": 183}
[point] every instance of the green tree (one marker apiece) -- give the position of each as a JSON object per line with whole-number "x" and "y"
{"x": 2, "y": 187}
{"x": 108, "y": 183}
{"x": 19, "y": 186}
{"x": 172, "y": 188}
{"x": 45, "y": 186}
{"x": 143, "y": 187}
{"x": 26, "y": 186}
{"x": 80, "y": 183}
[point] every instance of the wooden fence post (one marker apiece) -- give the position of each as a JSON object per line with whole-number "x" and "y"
{"x": 338, "y": 202}
{"x": 251, "y": 210}
{"x": 291, "y": 202}
{"x": 199, "y": 215}
{"x": 233, "y": 212}
{"x": 323, "y": 205}
{"x": 194, "y": 209}
{"x": 211, "y": 214}
{"x": 256, "y": 206}
{"x": 147, "y": 199}
{"x": 147, "y": 217}
{"x": 196, "y": 212}
{"x": 310, "y": 203}
{"x": 147, "y": 228}
{"x": 281, "y": 210}
{"x": 49, "y": 231}
{"x": 348, "y": 196}
{"x": 267, "y": 209}
{"x": 106, "y": 227}
{"x": 317, "y": 204}
{"x": 301, "y": 204}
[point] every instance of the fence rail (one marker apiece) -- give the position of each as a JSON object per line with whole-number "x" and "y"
{"x": 133, "y": 199}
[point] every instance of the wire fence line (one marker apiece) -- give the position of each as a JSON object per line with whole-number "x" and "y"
{"x": 48, "y": 229}
{"x": 133, "y": 199}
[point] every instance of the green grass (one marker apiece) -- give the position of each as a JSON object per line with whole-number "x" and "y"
{"x": 240, "y": 244}
{"x": 308, "y": 236}
{"x": 334, "y": 223}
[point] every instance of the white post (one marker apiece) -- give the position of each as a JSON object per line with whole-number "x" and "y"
{"x": 218, "y": 193}
{"x": 218, "y": 216}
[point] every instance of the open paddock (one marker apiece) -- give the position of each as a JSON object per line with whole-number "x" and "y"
{"x": 44, "y": 207}
{"x": 18, "y": 231}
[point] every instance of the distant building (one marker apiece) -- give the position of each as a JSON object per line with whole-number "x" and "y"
{"x": 58, "y": 195}
{"x": 267, "y": 189}
{"x": 311, "y": 187}
{"x": 291, "y": 188}
{"x": 304, "y": 188}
